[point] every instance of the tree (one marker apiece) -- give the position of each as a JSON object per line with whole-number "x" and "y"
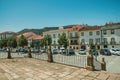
{"x": 22, "y": 41}
{"x": 43, "y": 42}
{"x": 47, "y": 42}
{"x": 3, "y": 42}
{"x": 12, "y": 42}
{"x": 32, "y": 44}
{"x": 63, "y": 40}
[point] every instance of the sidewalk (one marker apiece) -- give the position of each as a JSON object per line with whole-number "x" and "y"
{"x": 33, "y": 69}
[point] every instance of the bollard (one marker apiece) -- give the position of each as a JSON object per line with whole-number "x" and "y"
{"x": 90, "y": 61}
{"x": 103, "y": 64}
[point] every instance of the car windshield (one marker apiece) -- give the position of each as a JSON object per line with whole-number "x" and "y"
{"x": 82, "y": 50}
{"x": 106, "y": 50}
{"x": 113, "y": 49}
{"x": 117, "y": 49}
{"x": 93, "y": 50}
{"x": 55, "y": 50}
{"x": 71, "y": 50}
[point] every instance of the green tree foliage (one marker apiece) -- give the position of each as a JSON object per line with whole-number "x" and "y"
{"x": 3, "y": 42}
{"x": 22, "y": 41}
{"x": 12, "y": 42}
{"x": 32, "y": 44}
{"x": 47, "y": 40}
{"x": 43, "y": 42}
{"x": 63, "y": 40}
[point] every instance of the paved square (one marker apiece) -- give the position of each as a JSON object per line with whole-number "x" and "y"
{"x": 34, "y": 69}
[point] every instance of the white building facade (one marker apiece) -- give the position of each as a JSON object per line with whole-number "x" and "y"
{"x": 90, "y": 37}
{"x": 110, "y": 36}
{"x": 55, "y": 34}
{"x": 7, "y": 35}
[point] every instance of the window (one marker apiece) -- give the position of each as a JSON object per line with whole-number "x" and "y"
{"x": 83, "y": 41}
{"x": 90, "y": 33}
{"x": 76, "y": 34}
{"x": 90, "y": 41}
{"x": 75, "y": 42}
{"x": 112, "y": 39}
{"x": 97, "y": 40}
{"x": 71, "y": 41}
{"x": 104, "y": 32}
{"x": 82, "y": 33}
{"x": 112, "y": 31}
{"x": 97, "y": 32}
{"x": 105, "y": 40}
{"x": 58, "y": 35}
{"x": 54, "y": 42}
{"x": 54, "y": 36}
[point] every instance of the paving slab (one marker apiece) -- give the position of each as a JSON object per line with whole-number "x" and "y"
{"x": 34, "y": 69}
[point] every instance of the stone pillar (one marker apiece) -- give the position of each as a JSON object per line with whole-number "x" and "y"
{"x": 90, "y": 61}
{"x": 103, "y": 64}
{"x": 9, "y": 53}
{"x": 29, "y": 53}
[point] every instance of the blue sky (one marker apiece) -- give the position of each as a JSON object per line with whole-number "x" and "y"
{"x": 16, "y": 15}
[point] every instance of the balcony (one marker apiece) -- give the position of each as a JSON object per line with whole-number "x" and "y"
{"x": 105, "y": 43}
{"x": 82, "y": 43}
{"x": 74, "y": 44}
{"x": 97, "y": 43}
{"x": 71, "y": 37}
{"x": 112, "y": 42}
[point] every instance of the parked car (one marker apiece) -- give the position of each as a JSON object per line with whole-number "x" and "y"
{"x": 18, "y": 49}
{"x": 117, "y": 52}
{"x": 94, "y": 52}
{"x": 3, "y": 49}
{"x": 71, "y": 52}
{"x": 62, "y": 50}
{"x": 55, "y": 51}
{"x": 43, "y": 50}
{"x": 35, "y": 50}
{"x": 24, "y": 50}
{"x": 105, "y": 52}
{"x": 113, "y": 50}
{"x": 82, "y": 51}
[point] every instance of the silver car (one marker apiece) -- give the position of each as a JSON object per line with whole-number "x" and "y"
{"x": 82, "y": 51}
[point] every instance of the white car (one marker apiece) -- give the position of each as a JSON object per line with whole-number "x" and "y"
{"x": 117, "y": 52}
{"x": 62, "y": 50}
{"x": 82, "y": 51}
{"x": 113, "y": 50}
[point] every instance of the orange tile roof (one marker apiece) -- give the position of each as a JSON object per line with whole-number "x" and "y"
{"x": 90, "y": 28}
{"x": 36, "y": 37}
{"x": 39, "y": 37}
{"x": 27, "y": 34}
{"x": 75, "y": 28}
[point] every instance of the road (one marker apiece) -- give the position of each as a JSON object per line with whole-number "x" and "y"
{"x": 112, "y": 63}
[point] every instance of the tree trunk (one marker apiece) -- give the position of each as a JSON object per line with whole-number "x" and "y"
{"x": 29, "y": 53}
{"x": 9, "y": 54}
{"x": 50, "y": 56}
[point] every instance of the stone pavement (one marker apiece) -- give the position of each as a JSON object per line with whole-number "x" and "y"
{"x": 33, "y": 69}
